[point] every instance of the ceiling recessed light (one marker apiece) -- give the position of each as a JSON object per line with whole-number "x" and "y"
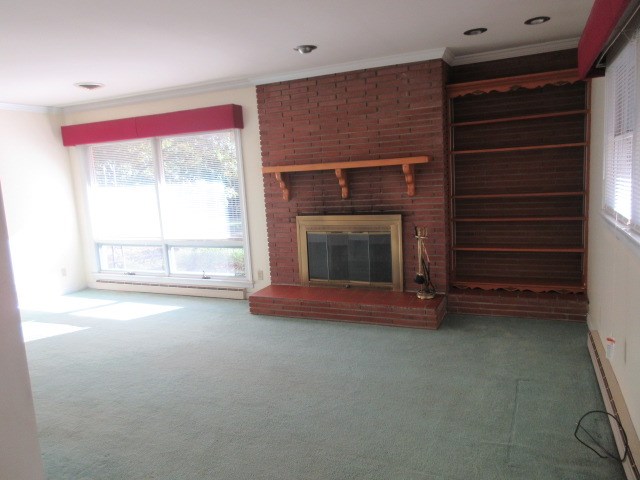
{"x": 537, "y": 20}
{"x": 475, "y": 31}
{"x": 89, "y": 85}
{"x": 303, "y": 49}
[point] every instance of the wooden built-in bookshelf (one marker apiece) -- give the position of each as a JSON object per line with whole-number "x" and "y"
{"x": 519, "y": 170}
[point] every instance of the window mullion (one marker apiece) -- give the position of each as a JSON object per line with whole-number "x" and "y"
{"x": 157, "y": 157}
{"x": 243, "y": 206}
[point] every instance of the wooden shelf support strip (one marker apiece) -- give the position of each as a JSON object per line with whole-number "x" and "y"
{"x": 340, "y": 168}
{"x": 519, "y": 118}
{"x": 506, "y": 84}
{"x": 520, "y": 149}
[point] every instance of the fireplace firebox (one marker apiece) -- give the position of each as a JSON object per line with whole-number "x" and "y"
{"x": 350, "y": 250}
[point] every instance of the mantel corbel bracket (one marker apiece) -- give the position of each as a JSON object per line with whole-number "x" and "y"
{"x": 407, "y": 169}
{"x": 340, "y": 170}
{"x": 341, "y": 175}
{"x": 283, "y": 185}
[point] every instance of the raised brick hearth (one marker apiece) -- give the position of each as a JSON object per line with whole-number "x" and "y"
{"x": 400, "y": 309}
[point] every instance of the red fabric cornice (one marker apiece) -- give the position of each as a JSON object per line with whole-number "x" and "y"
{"x": 206, "y": 119}
{"x": 603, "y": 20}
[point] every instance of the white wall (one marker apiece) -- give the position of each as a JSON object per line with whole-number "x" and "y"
{"x": 40, "y": 206}
{"x": 245, "y": 97}
{"x": 19, "y": 450}
{"x": 614, "y": 274}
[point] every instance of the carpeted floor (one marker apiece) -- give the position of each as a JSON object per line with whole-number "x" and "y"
{"x": 175, "y": 388}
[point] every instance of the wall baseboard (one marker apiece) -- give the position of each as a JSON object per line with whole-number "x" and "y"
{"x": 188, "y": 290}
{"x": 615, "y": 404}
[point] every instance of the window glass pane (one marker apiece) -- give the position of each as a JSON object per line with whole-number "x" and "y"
{"x": 130, "y": 258}
{"x": 168, "y": 192}
{"x": 201, "y": 194}
{"x": 210, "y": 261}
{"x": 123, "y": 193}
{"x": 358, "y": 257}
{"x": 381, "y": 261}
{"x": 621, "y": 168}
{"x": 317, "y": 256}
{"x": 338, "y": 248}
{"x": 621, "y": 186}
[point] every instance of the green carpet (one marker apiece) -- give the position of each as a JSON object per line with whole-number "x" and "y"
{"x": 163, "y": 387}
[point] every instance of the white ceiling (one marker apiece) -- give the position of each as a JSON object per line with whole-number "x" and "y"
{"x": 137, "y": 47}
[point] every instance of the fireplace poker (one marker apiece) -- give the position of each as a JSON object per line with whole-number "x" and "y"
{"x": 423, "y": 277}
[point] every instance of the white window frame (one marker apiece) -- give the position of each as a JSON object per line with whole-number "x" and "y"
{"x": 169, "y": 278}
{"x": 625, "y": 219}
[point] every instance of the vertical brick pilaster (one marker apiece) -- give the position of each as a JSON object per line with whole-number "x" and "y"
{"x": 387, "y": 112}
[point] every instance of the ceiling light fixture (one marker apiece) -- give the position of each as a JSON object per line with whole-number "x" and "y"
{"x": 89, "y": 85}
{"x": 475, "y": 31}
{"x": 304, "y": 49}
{"x": 537, "y": 20}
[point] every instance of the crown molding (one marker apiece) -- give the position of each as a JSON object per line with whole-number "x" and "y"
{"x": 448, "y": 56}
{"x": 516, "y": 51}
{"x": 15, "y": 107}
{"x": 420, "y": 56}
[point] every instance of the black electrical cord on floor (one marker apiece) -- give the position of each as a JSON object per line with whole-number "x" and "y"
{"x": 608, "y": 453}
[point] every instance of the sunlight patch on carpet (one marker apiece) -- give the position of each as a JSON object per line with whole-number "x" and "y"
{"x": 125, "y": 311}
{"x": 62, "y": 304}
{"x": 36, "y": 330}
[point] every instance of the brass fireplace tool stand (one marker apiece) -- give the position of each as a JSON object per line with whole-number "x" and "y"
{"x": 423, "y": 277}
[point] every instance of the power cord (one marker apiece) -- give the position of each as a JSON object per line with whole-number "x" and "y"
{"x": 607, "y": 453}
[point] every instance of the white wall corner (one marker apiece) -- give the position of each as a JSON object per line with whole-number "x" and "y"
{"x": 20, "y": 457}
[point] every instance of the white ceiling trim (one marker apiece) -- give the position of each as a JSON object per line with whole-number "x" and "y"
{"x": 27, "y": 108}
{"x": 411, "y": 57}
{"x": 516, "y": 51}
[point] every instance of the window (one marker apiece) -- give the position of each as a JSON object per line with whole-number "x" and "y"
{"x": 169, "y": 206}
{"x": 622, "y": 155}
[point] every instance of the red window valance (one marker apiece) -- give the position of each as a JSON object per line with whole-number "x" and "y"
{"x": 604, "y": 19}
{"x": 206, "y": 119}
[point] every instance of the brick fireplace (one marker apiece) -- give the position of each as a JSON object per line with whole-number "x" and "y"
{"x": 373, "y": 114}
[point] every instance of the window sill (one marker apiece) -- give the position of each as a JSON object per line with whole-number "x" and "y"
{"x": 172, "y": 281}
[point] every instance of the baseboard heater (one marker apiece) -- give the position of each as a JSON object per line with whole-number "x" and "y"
{"x": 171, "y": 289}
{"x": 615, "y": 404}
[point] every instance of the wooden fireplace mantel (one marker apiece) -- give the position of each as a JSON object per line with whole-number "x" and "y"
{"x": 340, "y": 168}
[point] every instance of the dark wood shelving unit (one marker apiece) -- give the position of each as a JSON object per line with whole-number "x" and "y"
{"x": 519, "y": 170}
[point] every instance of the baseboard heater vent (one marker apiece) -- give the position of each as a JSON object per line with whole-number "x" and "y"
{"x": 615, "y": 404}
{"x": 172, "y": 289}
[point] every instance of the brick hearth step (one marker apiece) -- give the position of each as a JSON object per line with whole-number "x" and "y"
{"x": 402, "y": 309}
